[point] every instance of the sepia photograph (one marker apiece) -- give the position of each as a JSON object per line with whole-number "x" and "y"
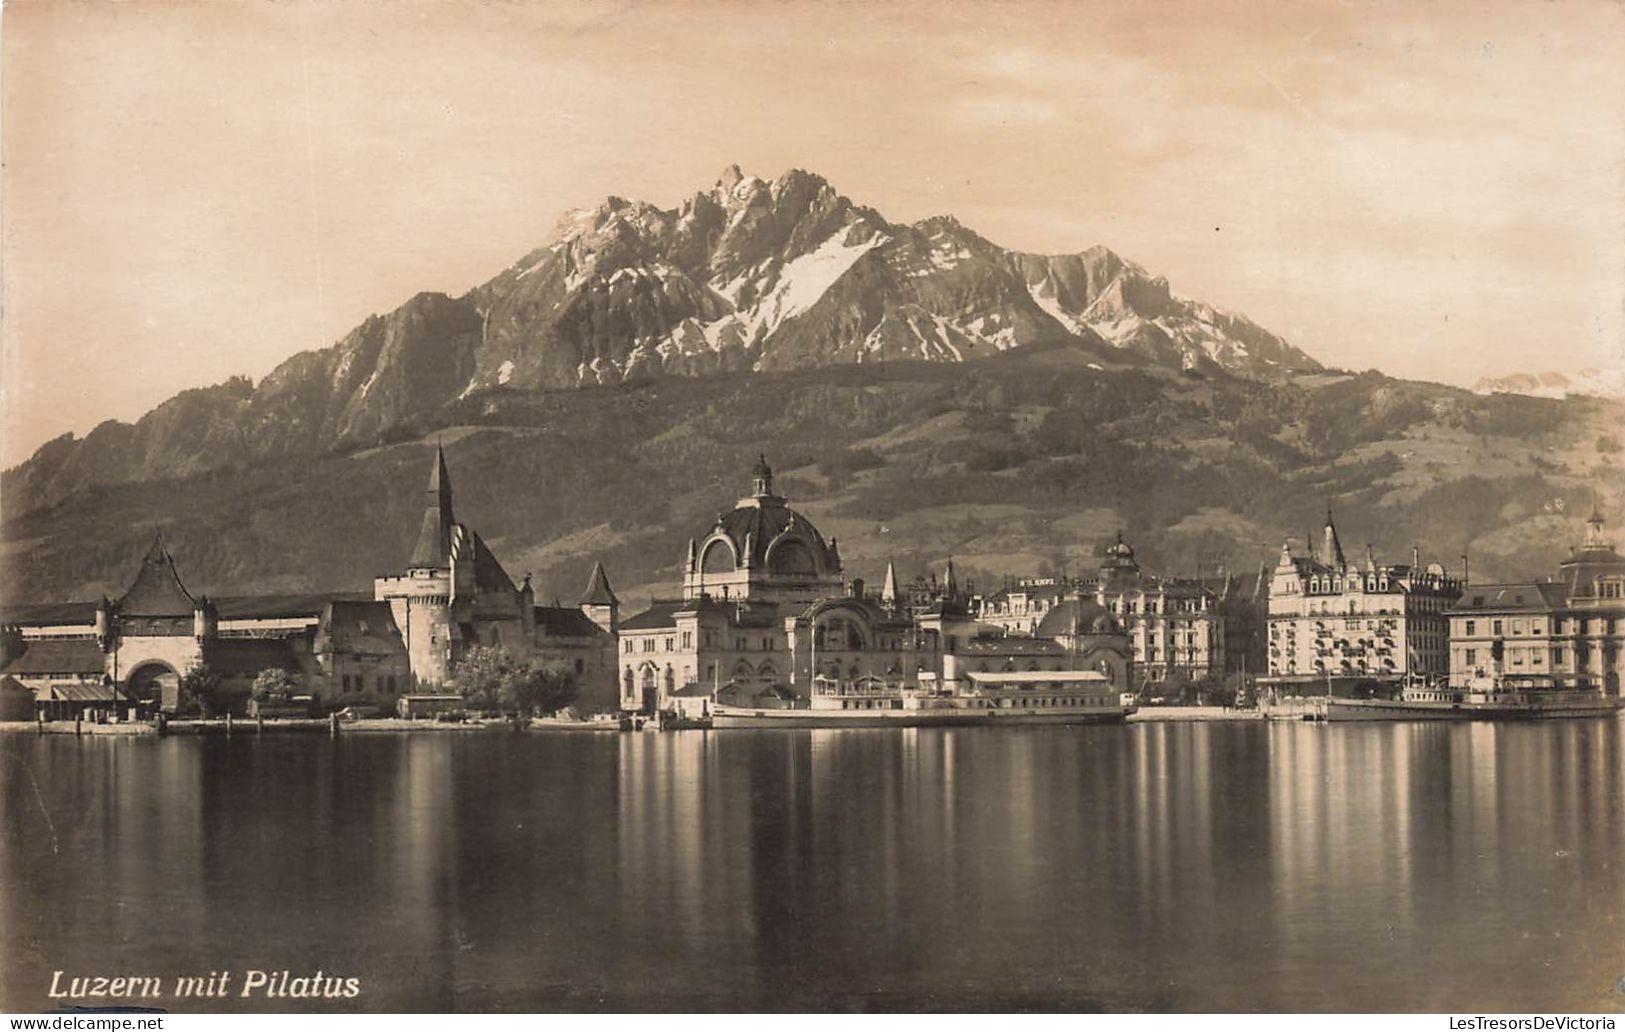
{"x": 804, "y": 506}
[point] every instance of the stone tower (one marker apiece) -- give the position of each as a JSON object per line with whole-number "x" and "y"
{"x": 423, "y": 599}
{"x": 599, "y": 603}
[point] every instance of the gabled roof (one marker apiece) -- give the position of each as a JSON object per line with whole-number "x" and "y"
{"x": 274, "y": 607}
{"x": 566, "y": 622}
{"x": 58, "y": 656}
{"x": 488, "y": 573}
{"x": 598, "y": 591}
{"x": 157, "y": 589}
{"x": 246, "y": 657}
{"x": 1523, "y": 597}
{"x": 658, "y": 615}
{"x": 362, "y": 626}
{"x": 49, "y": 614}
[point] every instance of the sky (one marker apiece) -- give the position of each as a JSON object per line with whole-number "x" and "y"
{"x": 195, "y": 190}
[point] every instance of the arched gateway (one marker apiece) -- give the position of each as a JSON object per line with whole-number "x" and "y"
{"x": 155, "y": 683}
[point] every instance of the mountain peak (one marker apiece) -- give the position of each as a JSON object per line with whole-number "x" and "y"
{"x": 752, "y": 275}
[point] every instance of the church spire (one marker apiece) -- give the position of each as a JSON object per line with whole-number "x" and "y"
{"x": 888, "y": 591}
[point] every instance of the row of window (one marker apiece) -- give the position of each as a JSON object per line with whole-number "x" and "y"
{"x": 353, "y": 684}
{"x": 1575, "y": 625}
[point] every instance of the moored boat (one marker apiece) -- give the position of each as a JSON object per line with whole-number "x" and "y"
{"x": 1480, "y": 700}
{"x": 1007, "y": 698}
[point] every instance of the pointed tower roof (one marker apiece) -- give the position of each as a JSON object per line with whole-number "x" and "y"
{"x": 888, "y": 591}
{"x": 434, "y": 536}
{"x": 1330, "y": 552}
{"x": 950, "y": 585}
{"x": 439, "y": 479}
{"x": 598, "y": 591}
{"x": 157, "y": 589}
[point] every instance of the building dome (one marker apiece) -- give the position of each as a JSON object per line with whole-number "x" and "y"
{"x": 1078, "y": 617}
{"x": 763, "y": 533}
{"x": 1596, "y": 561}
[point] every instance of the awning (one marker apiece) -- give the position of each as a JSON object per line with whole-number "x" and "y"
{"x": 82, "y": 693}
{"x": 1067, "y": 677}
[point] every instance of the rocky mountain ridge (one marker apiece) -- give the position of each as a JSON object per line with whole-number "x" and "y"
{"x": 750, "y": 275}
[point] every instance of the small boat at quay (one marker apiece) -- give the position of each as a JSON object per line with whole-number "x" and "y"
{"x": 1481, "y": 699}
{"x": 1009, "y": 698}
{"x": 1476, "y": 704}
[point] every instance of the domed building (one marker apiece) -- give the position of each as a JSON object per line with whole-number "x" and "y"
{"x": 765, "y": 619}
{"x": 1092, "y": 635}
{"x": 1566, "y": 632}
{"x": 762, "y": 551}
{"x": 1078, "y": 618}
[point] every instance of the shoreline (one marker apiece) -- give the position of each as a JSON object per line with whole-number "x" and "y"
{"x": 294, "y": 725}
{"x": 398, "y": 725}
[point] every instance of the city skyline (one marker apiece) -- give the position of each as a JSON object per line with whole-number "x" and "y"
{"x": 1431, "y": 194}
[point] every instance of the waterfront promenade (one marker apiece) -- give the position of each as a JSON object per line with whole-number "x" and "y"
{"x": 284, "y": 725}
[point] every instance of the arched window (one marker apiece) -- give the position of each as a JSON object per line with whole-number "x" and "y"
{"x": 719, "y": 558}
{"x": 792, "y": 558}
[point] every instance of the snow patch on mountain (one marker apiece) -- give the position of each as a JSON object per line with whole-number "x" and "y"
{"x": 1043, "y": 294}
{"x": 806, "y": 279}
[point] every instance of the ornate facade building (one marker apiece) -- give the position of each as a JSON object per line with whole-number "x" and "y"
{"x": 342, "y": 649}
{"x": 1179, "y": 628}
{"x": 1331, "y": 618}
{"x": 765, "y": 616}
{"x": 1565, "y": 632}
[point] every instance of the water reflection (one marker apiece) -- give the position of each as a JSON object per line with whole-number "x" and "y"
{"x": 1176, "y": 866}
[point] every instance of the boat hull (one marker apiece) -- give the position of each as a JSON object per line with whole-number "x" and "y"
{"x": 740, "y": 717}
{"x": 1345, "y": 710}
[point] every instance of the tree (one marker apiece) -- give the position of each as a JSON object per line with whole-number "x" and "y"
{"x": 484, "y": 675}
{"x": 555, "y": 686}
{"x": 200, "y": 691}
{"x": 491, "y": 676}
{"x": 273, "y": 683}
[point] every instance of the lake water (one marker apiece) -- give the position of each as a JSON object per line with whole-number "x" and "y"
{"x": 1180, "y": 867}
